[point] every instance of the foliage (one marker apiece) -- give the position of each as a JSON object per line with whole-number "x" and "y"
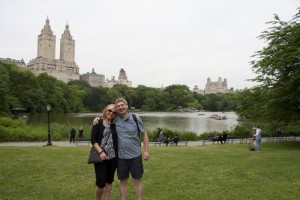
{"x": 278, "y": 69}
{"x": 209, "y": 135}
{"x": 219, "y": 102}
{"x": 4, "y": 90}
{"x": 207, "y": 172}
{"x": 241, "y": 131}
{"x": 95, "y": 99}
{"x": 21, "y": 88}
{"x": 18, "y": 131}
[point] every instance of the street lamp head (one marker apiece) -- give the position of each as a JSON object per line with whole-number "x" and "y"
{"x": 48, "y": 107}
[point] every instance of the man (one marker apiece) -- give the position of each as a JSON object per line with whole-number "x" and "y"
{"x": 258, "y": 138}
{"x": 176, "y": 139}
{"x": 129, "y": 149}
{"x": 72, "y": 135}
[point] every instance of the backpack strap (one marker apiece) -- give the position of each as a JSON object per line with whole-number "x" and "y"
{"x": 137, "y": 125}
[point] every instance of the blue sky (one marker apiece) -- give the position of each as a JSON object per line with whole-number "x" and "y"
{"x": 157, "y": 42}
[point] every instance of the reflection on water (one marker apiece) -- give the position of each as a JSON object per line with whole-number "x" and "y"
{"x": 189, "y": 121}
{"x": 195, "y": 122}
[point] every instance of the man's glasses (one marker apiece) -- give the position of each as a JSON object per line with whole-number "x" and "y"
{"x": 110, "y": 111}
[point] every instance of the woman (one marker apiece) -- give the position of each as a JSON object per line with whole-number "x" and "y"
{"x": 104, "y": 140}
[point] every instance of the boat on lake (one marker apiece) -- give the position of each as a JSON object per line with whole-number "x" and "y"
{"x": 218, "y": 117}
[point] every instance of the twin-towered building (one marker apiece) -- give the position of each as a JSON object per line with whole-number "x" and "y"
{"x": 65, "y": 68}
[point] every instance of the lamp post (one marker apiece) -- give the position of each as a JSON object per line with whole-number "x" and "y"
{"x": 49, "y": 136}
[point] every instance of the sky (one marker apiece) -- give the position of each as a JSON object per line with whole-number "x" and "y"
{"x": 157, "y": 42}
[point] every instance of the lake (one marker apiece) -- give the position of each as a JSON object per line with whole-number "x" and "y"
{"x": 195, "y": 122}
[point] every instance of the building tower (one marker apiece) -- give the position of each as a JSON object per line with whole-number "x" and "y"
{"x": 65, "y": 68}
{"x": 216, "y": 87}
{"x": 46, "y": 42}
{"x": 122, "y": 75}
{"x": 67, "y": 46}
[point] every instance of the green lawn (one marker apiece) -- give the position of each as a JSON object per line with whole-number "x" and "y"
{"x": 215, "y": 172}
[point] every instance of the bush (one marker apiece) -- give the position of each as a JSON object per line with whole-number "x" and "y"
{"x": 12, "y": 130}
{"x": 9, "y": 122}
{"x": 240, "y": 131}
{"x": 209, "y": 135}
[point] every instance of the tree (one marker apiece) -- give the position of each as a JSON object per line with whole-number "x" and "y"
{"x": 179, "y": 95}
{"x": 25, "y": 87}
{"x": 96, "y": 99}
{"x": 4, "y": 90}
{"x": 125, "y": 92}
{"x": 53, "y": 93}
{"x": 278, "y": 69}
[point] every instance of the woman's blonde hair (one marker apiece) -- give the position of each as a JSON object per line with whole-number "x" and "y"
{"x": 105, "y": 110}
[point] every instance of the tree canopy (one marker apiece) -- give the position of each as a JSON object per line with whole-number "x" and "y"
{"x": 21, "y": 88}
{"x": 278, "y": 70}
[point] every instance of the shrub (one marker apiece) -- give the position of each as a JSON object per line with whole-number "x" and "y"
{"x": 241, "y": 131}
{"x": 9, "y": 122}
{"x": 209, "y": 135}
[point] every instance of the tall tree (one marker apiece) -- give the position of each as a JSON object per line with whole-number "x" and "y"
{"x": 25, "y": 87}
{"x": 96, "y": 99}
{"x": 278, "y": 69}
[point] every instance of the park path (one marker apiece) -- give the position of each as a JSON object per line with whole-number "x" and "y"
{"x": 191, "y": 143}
{"x": 68, "y": 144}
{"x": 54, "y": 143}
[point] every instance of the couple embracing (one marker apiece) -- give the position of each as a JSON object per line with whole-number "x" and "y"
{"x": 116, "y": 137}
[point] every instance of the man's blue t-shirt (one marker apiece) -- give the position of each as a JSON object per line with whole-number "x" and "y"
{"x": 129, "y": 143}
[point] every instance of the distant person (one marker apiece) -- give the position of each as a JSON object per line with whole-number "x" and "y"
{"x": 161, "y": 137}
{"x": 223, "y": 137}
{"x": 166, "y": 141}
{"x": 158, "y": 132}
{"x": 80, "y": 133}
{"x": 72, "y": 135}
{"x": 176, "y": 140}
{"x": 220, "y": 138}
{"x": 278, "y": 132}
{"x": 258, "y": 138}
{"x": 216, "y": 137}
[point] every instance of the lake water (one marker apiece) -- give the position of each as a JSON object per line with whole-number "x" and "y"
{"x": 195, "y": 122}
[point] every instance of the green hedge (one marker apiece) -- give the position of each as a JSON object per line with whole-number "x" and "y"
{"x": 12, "y": 130}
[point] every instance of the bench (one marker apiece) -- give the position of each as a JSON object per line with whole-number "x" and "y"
{"x": 179, "y": 143}
{"x": 83, "y": 140}
{"x": 220, "y": 139}
{"x": 229, "y": 141}
{"x": 282, "y": 138}
{"x": 291, "y": 138}
{"x": 243, "y": 140}
{"x": 155, "y": 143}
{"x": 170, "y": 143}
{"x": 207, "y": 141}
